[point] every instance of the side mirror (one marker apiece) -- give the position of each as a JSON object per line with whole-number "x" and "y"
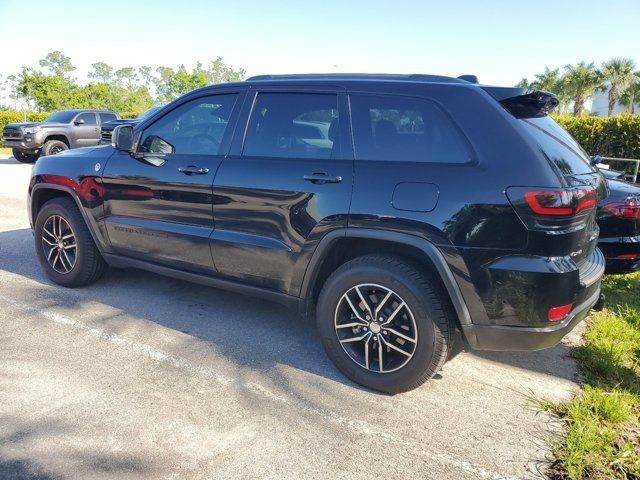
{"x": 595, "y": 160}
{"x": 122, "y": 138}
{"x": 79, "y": 121}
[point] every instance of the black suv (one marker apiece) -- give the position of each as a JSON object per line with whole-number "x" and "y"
{"x": 405, "y": 211}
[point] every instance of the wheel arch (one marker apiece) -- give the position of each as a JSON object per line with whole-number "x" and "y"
{"x": 41, "y": 193}
{"x": 57, "y": 136}
{"x": 342, "y": 245}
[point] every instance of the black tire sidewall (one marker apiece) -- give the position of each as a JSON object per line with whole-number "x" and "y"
{"x": 426, "y": 358}
{"x": 23, "y": 157}
{"x": 56, "y": 207}
{"x": 49, "y": 145}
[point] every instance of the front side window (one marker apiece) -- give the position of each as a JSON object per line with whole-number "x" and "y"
{"x": 405, "y": 129}
{"x": 88, "y": 118}
{"x": 194, "y": 128}
{"x": 292, "y": 125}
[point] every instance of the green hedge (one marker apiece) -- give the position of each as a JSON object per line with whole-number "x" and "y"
{"x": 617, "y": 136}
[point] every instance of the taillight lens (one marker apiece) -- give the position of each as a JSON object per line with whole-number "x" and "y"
{"x": 561, "y": 203}
{"x": 627, "y": 209}
{"x": 553, "y": 209}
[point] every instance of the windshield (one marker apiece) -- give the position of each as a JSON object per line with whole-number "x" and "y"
{"x": 150, "y": 112}
{"x": 558, "y": 146}
{"x": 65, "y": 116}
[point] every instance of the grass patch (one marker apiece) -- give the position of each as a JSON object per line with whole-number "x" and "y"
{"x": 603, "y": 421}
{"x": 5, "y": 151}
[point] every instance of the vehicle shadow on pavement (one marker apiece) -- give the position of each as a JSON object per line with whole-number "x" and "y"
{"x": 248, "y": 331}
{"x": 9, "y": 161}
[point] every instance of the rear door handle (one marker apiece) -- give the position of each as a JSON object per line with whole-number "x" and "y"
{"x": 321, "y": 177}
{"x": 193, "y": 170}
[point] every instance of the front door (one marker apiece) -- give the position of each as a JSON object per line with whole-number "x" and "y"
{"x": 86, "y": 130}
{"x": 284, "y": 187}
{"x": 158, "y": 201}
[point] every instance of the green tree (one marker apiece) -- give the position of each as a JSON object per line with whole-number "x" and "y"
{"x": 57, "y": 63}
{"x": 619, "y": 75}
{"x": 524, "y": 83}
{"x": 631, "y": 95}
{"x": 101, "y": 72}
{"x": 580, "y": 82}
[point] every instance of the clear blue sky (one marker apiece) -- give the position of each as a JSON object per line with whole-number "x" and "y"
{"x": 500, "y": 41}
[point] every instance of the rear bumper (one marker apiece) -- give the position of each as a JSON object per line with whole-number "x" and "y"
{"x": 498, "y": 337}
{"x": 614, "y": 247}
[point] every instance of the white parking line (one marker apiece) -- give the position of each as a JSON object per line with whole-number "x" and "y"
{"x": 208, "y": 374}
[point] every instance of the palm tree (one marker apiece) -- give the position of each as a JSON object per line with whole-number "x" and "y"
{"x": 631, "y": 95}
{"x": 580, "y": 82}
{"x": 619, "y": 74}
{"x": 551, "y": 81}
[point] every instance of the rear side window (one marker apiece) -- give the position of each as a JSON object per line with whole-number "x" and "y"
{"x": 89, "y": 118}
{"x": 292, "y": 125}
{"x": 558, "y": 146}
{"x": 107, "y": 117}
{"x": 405, "y": 129}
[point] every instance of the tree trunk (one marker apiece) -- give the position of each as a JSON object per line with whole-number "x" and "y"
{"x": 613, "y": 98}
{"x": 578, "y": 105}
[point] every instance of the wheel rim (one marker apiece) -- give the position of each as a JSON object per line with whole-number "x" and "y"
{"x": 56, "y": 149}
{"x": 376, "y": 328}
{"x": 59, "y": 244}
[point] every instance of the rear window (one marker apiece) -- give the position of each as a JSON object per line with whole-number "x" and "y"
{"x": 107, "y": 117}
{"x": 404, "y": 129}
{"x": 558, "y": 146}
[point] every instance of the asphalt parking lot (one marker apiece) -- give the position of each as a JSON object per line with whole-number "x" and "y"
{"x": 140, "y": 376}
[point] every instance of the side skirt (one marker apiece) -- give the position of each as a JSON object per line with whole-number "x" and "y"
{"x": 119, "y": 261}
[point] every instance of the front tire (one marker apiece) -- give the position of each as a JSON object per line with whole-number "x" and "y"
{"x": 64, "y": 245}
{"x": 53, "y": 147}
{"x": 22, "y": 157}
{"x": 384, "y": 323}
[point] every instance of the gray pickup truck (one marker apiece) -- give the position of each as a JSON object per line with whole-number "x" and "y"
{"x": 60, "y": 131}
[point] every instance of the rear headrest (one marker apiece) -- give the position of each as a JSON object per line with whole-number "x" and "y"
{"x": 333, "y": 130}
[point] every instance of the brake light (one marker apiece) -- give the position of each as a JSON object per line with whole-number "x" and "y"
{"x": 561, "y": 203}
{"x": 558, "y": 313}
{"x": 628, "y": 256}
{"x": 627, "y": 209}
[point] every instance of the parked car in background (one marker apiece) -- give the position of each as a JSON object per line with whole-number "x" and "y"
{"x": 619, "y": 221}
{"x": 60, "y": 131}
{"x": 107, "y": 127}
{"x": 407, "y": 211}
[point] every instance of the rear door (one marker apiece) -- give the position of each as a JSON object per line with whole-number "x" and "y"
{"x": 86, "y": 130}
{"x": 158, "y": 202}
{"x": 286, "y": 183}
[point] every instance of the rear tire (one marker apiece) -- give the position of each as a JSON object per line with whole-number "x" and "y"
{"x": 424, "y": 323}
{"x": 58, "y": 226}
{"x": 53, "y": 147}
{"x": 22, "y": 157}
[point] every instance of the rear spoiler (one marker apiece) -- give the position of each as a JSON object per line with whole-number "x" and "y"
{"x": 523, "y": 103}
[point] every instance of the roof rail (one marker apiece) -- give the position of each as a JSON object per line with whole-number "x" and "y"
{"x": 357, "y": 76}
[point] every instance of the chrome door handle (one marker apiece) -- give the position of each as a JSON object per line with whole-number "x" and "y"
{"x": 321, "y": 177}
{"x": 193, "y": 170}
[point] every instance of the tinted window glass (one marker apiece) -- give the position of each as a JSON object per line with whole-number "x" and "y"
{"x": 292, "y": 125}
{"x": 89, "y": 118}
{"x": 194, "y": 128}
{"x": 107, "y": 117}
{"x": 558, "y": 146}
{"x": 395, "y": 128}
{"x": 64, "y": 116}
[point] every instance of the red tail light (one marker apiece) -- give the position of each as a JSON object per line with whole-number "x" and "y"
{"x": 628, "y": 209}
{"x": 558, "y": 313}
{"x": 561, "y": 203}
{"x": 628, "y": 256}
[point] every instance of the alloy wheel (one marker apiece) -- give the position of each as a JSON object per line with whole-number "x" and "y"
{"x": 376, "y": 328}
{"x": 59, "y": 244}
